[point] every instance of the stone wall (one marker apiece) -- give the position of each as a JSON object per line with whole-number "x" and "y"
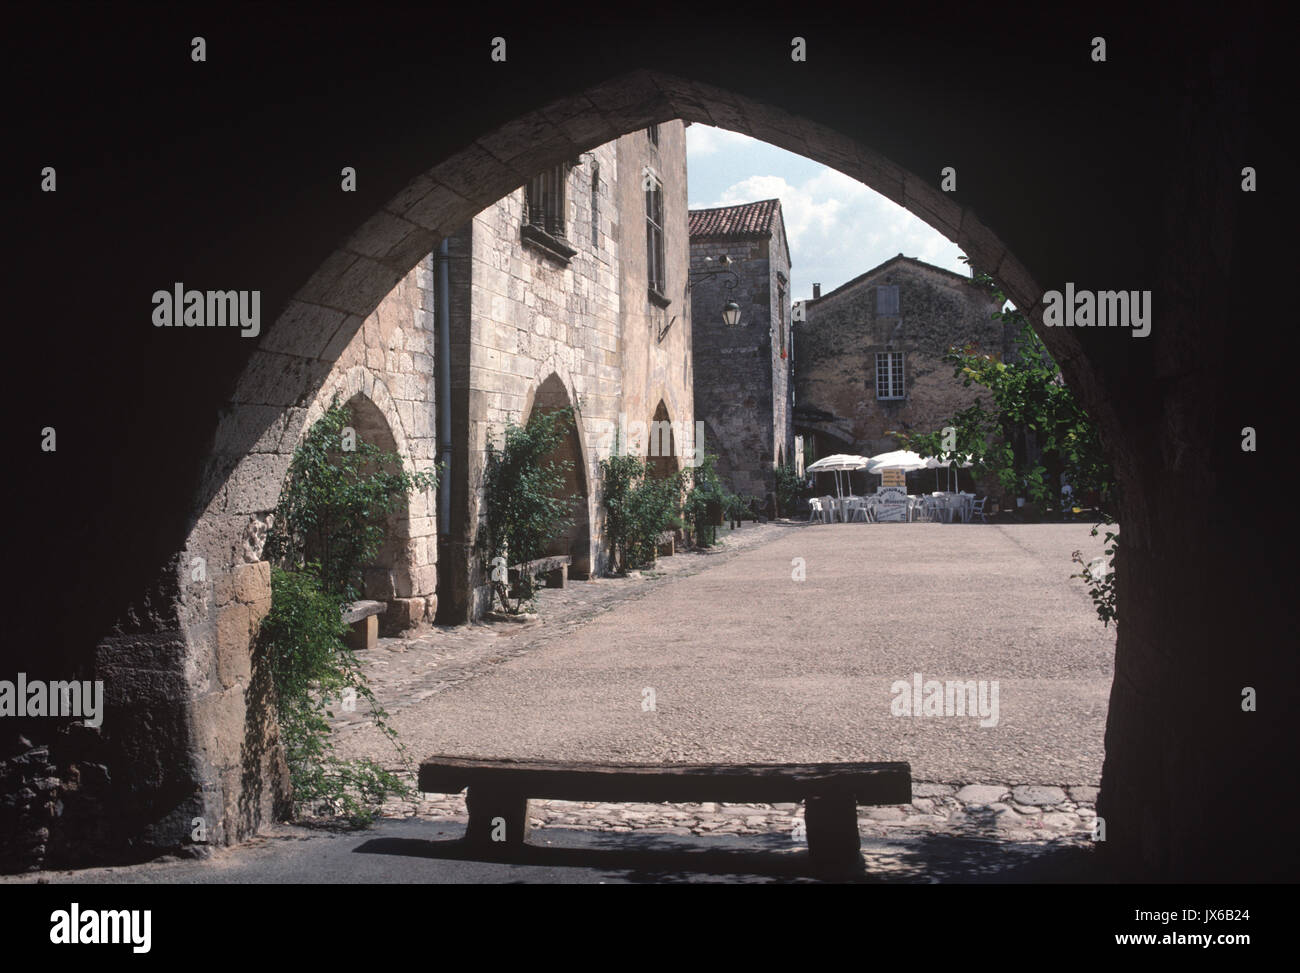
{"x": 837, "y": 344}
{"x": 184, "y": 654}
{"x": 521, "y": 315}
{"x": 741, "y": 376}
{"x": 782, "y": 329}
{"x": 655, "y": 341}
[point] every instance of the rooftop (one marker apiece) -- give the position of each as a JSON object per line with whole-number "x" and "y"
{"x": 901, "y": 258}
{"x": 736, "y": 222}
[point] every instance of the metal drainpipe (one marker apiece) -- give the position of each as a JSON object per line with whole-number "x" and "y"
{"x": 444, "y": 387}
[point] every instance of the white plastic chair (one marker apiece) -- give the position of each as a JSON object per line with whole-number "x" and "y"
{"x": 829, "y": 508}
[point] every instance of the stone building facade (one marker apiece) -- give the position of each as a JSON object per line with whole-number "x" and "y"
{"x": 582, "y": 304}
{"x": 743, "y": 389}
{"x": 586, "y": 309}
{"x": 870, "y": 356}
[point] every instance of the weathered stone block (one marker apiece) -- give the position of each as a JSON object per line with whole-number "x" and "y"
{"x": 403, "y": 615}
{"x": 219, "y": 725}
{"x": 234, "y": 625}
{"x": 379, "y": 583}
{"x": 252, "y": 582}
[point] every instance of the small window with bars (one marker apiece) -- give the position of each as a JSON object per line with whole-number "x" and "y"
{"x": 654, "y": 234}
{"x": 889, "y": 375}
{"x": 545, "y": 203}
{"x": 887, "y": 300}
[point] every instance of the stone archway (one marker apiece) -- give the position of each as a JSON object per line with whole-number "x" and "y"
{"x": 552, "y": 396}
{"x": 389, "y": 577}
{"x": 1172, "y": 734}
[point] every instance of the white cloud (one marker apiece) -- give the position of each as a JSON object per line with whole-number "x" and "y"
{"x": 706, "y": 140}
{"x": 837, "y": 227}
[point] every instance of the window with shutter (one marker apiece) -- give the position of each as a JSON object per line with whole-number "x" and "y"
{"x": 545, "y": 224}
{"x": 545, "y": 206}
{"x": 887, "y": 300}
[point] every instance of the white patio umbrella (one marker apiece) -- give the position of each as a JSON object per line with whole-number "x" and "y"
{"x": 836, "y": 464}
{"x": 933, "y": 463}
{"x": 898, "y": 459}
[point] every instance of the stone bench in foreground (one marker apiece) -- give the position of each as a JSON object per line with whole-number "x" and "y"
{"x": 499, "y": 791}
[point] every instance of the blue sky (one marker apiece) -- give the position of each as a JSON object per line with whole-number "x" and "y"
{"x": 838, "y": 228}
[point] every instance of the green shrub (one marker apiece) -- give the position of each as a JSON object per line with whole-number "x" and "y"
{"x": 638, "y": 508}
{"x": 706, "y": 489}
{"x": 789, "y": 488}
{"x": 740, "y": 506}
{"x": 328, "y": 525}
{"x": 524, "y": 509}
{"x": 335, "y": 501}
{"x": 302, "y": 641}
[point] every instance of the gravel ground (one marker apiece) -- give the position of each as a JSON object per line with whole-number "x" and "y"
{"x": 748, "y": 664}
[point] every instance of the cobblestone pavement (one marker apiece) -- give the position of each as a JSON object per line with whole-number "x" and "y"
{"x": 408, "y": 673}
{"x": 1024, "y": 813}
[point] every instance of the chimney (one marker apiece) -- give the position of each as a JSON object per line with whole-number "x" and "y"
{"x": 817, "y": 291}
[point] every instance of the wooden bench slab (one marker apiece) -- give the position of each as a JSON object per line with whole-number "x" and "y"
{"x": 499, "y": 791}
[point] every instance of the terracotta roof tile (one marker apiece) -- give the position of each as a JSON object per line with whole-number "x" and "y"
{"x": 744, "y": 220}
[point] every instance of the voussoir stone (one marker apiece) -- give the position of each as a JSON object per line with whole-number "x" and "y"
{"x": 982, "y": 794}
{"x": 1037, "y": 795}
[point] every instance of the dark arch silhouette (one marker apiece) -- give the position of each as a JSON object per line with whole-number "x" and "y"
{"x": 1072, "y": 191}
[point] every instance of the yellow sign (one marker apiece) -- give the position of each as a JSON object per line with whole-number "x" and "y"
{"x": 893, "y": 478}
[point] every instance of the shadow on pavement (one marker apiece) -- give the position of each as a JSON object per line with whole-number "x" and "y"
{"x": 668, "y": 858}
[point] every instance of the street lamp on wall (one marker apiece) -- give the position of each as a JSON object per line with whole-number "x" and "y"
{"x": 719, "y": 268}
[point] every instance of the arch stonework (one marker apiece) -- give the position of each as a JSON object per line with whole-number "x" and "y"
{"x": 662, "y": 444}
{"x": 1165, "y": 739}
{"x": 580, "y": 542}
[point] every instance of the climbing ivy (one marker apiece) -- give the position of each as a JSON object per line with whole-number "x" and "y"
{"x": 328, "y": 524}
{"x": 525, "y": 508}
{"x": 706, "y": 491}
{"x": 337, "y": 496}
{"x": 1099, "y": 575}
